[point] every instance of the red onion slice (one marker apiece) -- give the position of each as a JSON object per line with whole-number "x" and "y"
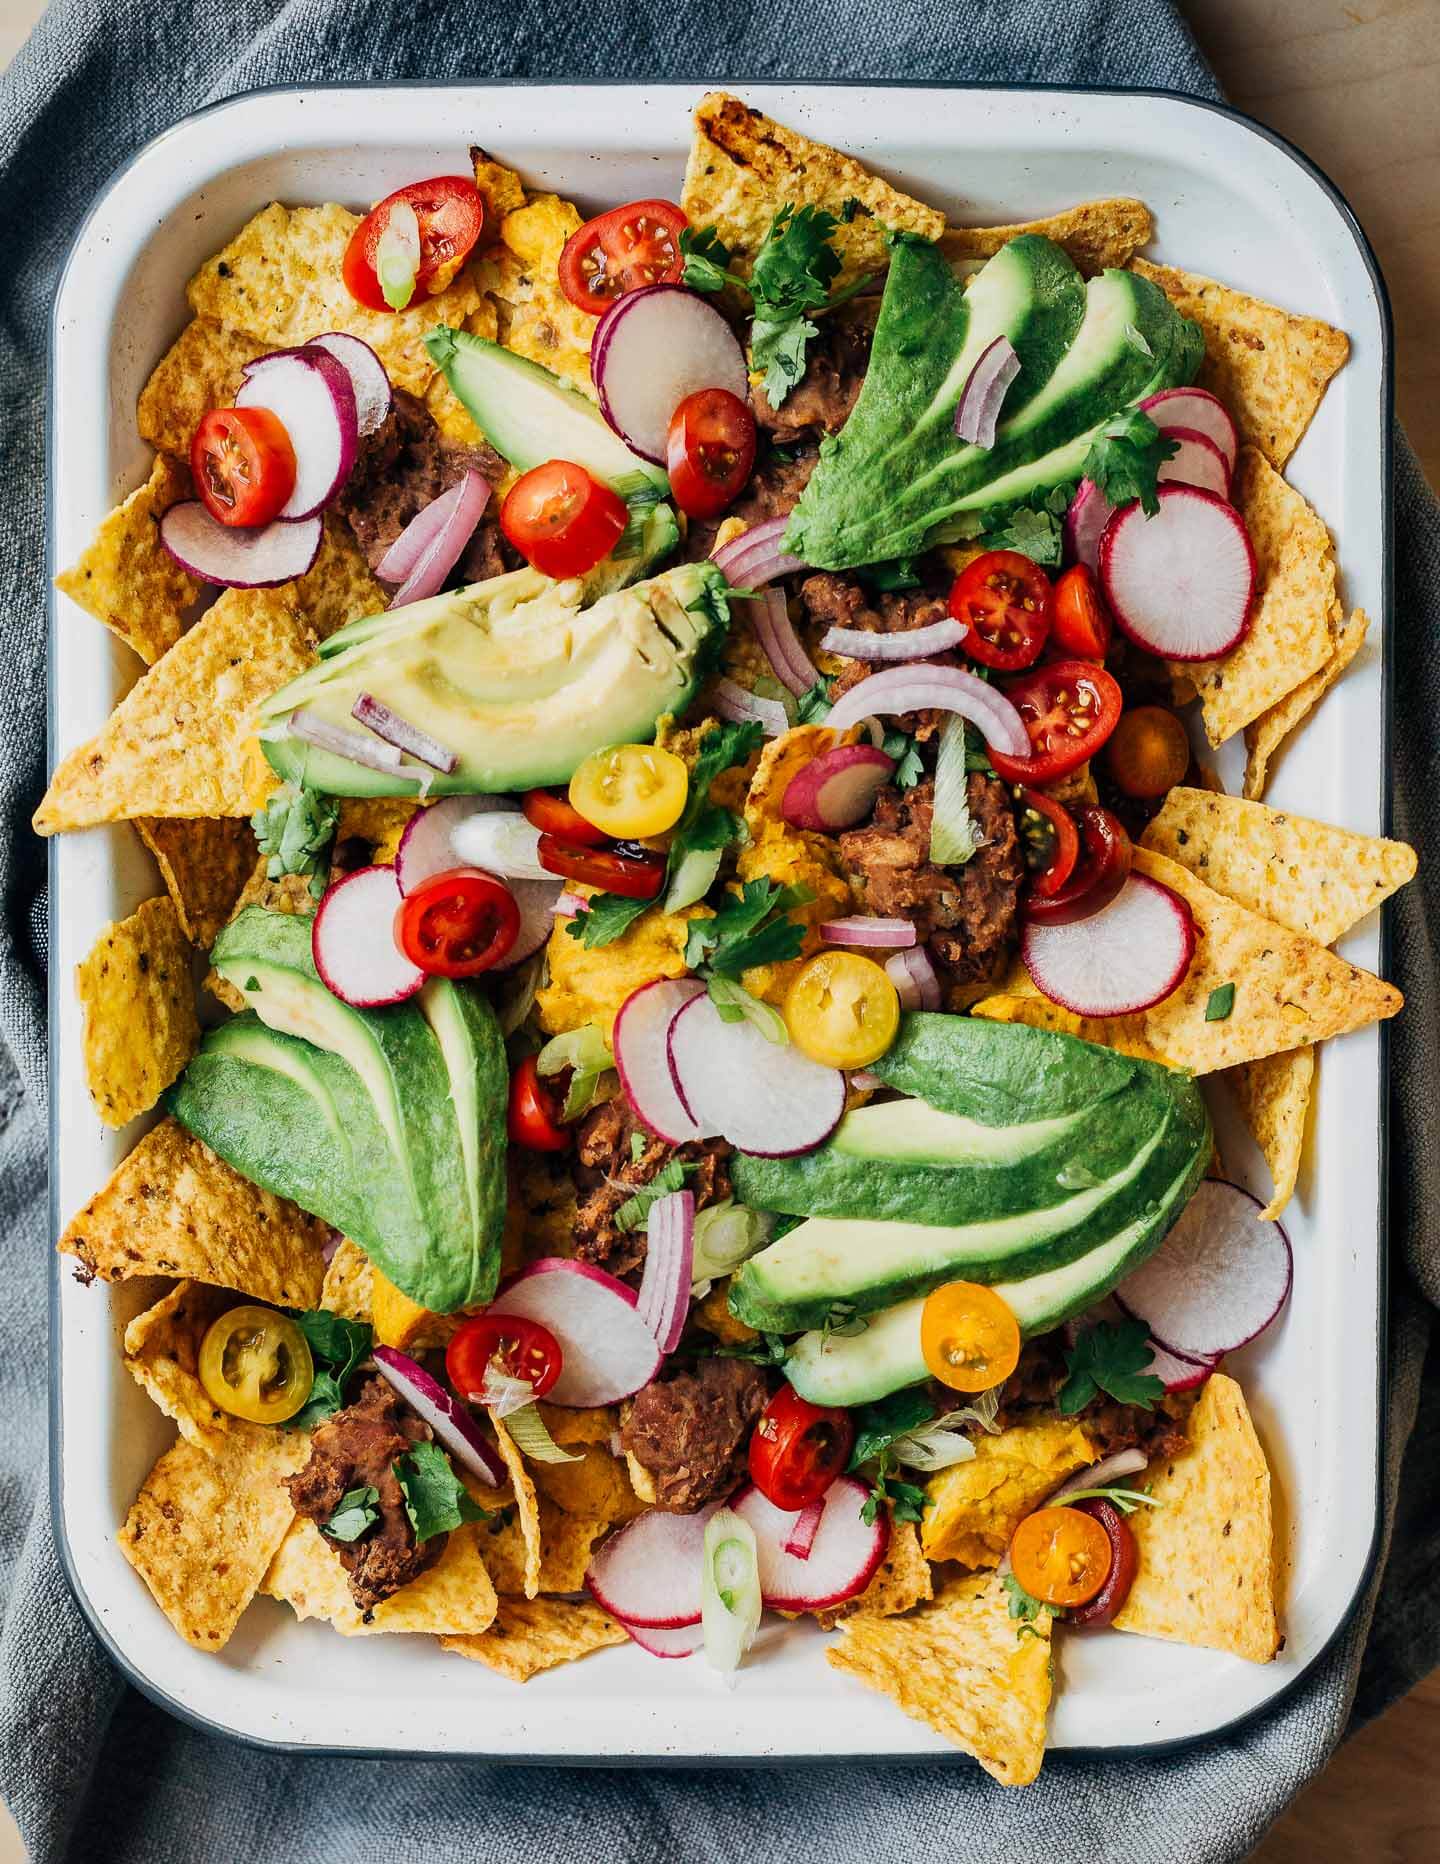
{"x": 442, "y": 539}
{"x": 979, "y": 409}
{"x": 377, "y": 717}
{"x": 801, "y": 1537}
{"x": 373, "y": 394}
{"x": 309, "y": 393}
{"x": 783, "y": 647}
{"x": 567, "y": 904}
{"x": 1102, "y": 1474}
{"x": 756, "y": 557}
{"x": 862, "y": 929}
{"x": 862, "y": 644}
{"x": 234, "y": 557}
{"x": 924, "y": 686}
{"x": 733, "y": 702}
{"x": 664, "y": 1297}
{"x": 358, "y": 746}
{"x": 913, "y": 976}
{"x": 445, "y": 1415}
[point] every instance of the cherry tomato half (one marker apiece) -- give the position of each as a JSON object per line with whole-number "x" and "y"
{"x": 1101, "y": 871}
{"x": 457, "y": 924}
{"x": 519, "y": 1348}
{"x": 631, "y": 790}
{"x": 553, "y": 815}
{"x": 636, "y": 873}
{"x": 531, "y": 1118}
{"x": 797, "y": 1449}
{"x": 561, "y": 520}
{"x": 451, "y": 213}
{"x": 620, "y": 251}
{"x": 1060, "y": 1556}
{"x": 256, "y": 1364}
{"x": 1082, "y": 624}
{"x": 842, "y": 1009}
{"x": 710, "y": 451}
{"x": 1050, "y": 840}
{"x": 243, "y": 464}
{"x": 968, "y": 1337}
{"x": 1124, "y": 1564}
{"x": 1070, "y": 708}
{"x": 1149, "y": 752}
{"x": 1005, "y": 601}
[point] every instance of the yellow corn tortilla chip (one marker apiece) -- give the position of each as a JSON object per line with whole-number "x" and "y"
{"x": 126, "y": 578}
{"x": 403, "y": 1323}
{"x": 536, "y": 319}
{"x": 597, "y": 1487}
{"x": 1098, "y": 235}
{"x": 201, "y": 370}
{"x": 527, "y": 1507}
{"x": 571, "y": 1428}
{"x": 500, "y": 187}
{"x": 1264, "y": 735}
{"x": 959, "y": 1666}
{"x": 204, "y": 1527}
{"x": 349, "y": 1282}
{"x": 1290, "y": 613}
{"x": 162, "y": 1355}
{"x": 744, "y": 167}
{"x": 1270, "y": 367}
{"x": 449, "y": 412}
{"x": 378, "y": 821}
{"x": 531, "y": 1635}
{"x": 205, "y": 866}
{"x": 1307, "y": 875}
{"x": 139, "y": 1000}
{"x": 173, "y": 1208}
{"x": 452, "y": 1598}
{"x": 279, "y": 280}
{"x": 338, "y": 586}
{"x": 565, "y": 1542}
{"x": 1207, "y": 1554}
{"x": 1019, "y": 999}
{"x": 1274, "y": 1097}
{"x": 973, "y": 1508}
{"x": 902, "y": 1580}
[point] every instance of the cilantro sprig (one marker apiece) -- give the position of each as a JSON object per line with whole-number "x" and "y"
{"x": 1125, "y": 460}
{"x": 356, "y": 1514}
{"x": 337, "y": 1346}
{"x": 1110, "y": 1357}
{"x": 435, "y": 1498}
{"x": 295, "y": 830}
{"x": 748, "y": 928}
{"x": 1026, "y": 1609}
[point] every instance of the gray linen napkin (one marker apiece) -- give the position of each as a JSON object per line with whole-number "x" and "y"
{"x": 90, "y": 1769}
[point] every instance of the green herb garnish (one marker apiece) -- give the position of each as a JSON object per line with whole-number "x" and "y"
{"x": 749, "y": 928}
{"x": 356, "y": 1513}
{"x": 337, "y": 1346}
{"x": 295, "y": 830}
{"x": 1220, "y": 1003}
{"x": 1110, "y": 1357}
{"x": 435, "y": 1498}
{"x": 1125, "y": 461}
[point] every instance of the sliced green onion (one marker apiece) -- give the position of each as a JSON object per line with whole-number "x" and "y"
{"x": 693, "y": 878}
{"x": 736, "y": 1004}
{"x": 397, "y": 256}
{"x": 725, "y": 1234}
{"x": 532, "y": 1439}
{"x": 729, "y": 1590}
{"x": 936, "y": 1445}
{"x": 585, "y": 1050}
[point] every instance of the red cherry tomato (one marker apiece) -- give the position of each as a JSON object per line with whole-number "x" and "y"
{"x": 553, "y": 815}
{"x": 710, "y": 451}
{"x": 451, "y": 213}
{"x": 1099, "y": 873}
{"x": 621, "y": 251}
{"x": 561, "y": 520}
{"x": 1070, "y": 708}
{"x": 1082, "y": 624}
{"x": 507, "y": 1343}
{"x": 797, "y": 1449}
{"x": 531, "y": 1119}
{"x": 457, "y": 924}
{"x": 1050, "y": 840}
{"x": 635, "y": 872}
{"x": 243, "y": 464}
{"x": 1124, "y": 1564}
{"x": 1004, "y": 600}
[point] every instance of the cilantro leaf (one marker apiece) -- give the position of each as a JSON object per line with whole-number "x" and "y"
{"x": 703, "y": 823}
{"x": 771, "y": 1349}
{"x": 295, "y": 829}
{"x": 1126, "y": 458}
{"x": 1035, "y": 534}
{"x": 792, "y": 275}
{"x": 337, "y": 1346}
{"x": 909, "y": 766}
{"x": 707, "y": 259}
{"x": 608, "y": 917}
{"x": 813, "y": 705}
{"x": 905, "y": 1500}
{"x": 634, "y": 1213}
{"x": 878, "y": 1425}
{"x": 1220, "y": 1003}
{"x": 435, "y": 1499}
{"x": 750, "y": 927}
{"x": 777, "y": 351}
{"x": 1110, "y": 1357}
{"x": 356, "y": 1513}
{"x": 1026, "y": 1608}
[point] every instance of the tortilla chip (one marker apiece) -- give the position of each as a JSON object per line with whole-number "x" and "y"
{"x": 1306, "y": 875}
{"x": 500, "y": 187}
{"x": 902, "y": 1580}
{"x": 201, "y": 370}
{"x": 1290, "y": 615}
{"x": 338, "y": 586}
{"x": 173, "y": 1208}
{"x": 349, "y": 1282}
{"x": 744, "y": 167}
{"x": 527, "y": 1507}
{"x": 566, "y": 1541}
{"x": 139, "y": 1000}
{"x": 1268, "y": 366}
{"x": 452, "y": 1598}
{"x": 570, "y": 1428}
{"x": 126, "y": 578}
{"x": 972, "y": 1508}
{"x": 377, "y": 821}
{"x": 1206, "y": 1555}
{"x": 536, "y": 318}
{"x": 449, "y": 412}
{"x": 279, "y": 280}
{"x": 162, "y": 1355}
{"x": 205, "y": 866}
{"x": 1098, "y": 235}
{"x": 1274, "y": 1097}
{"x": 959, "y": 1666}
{"x": 204, "y": 1527}
{"x": 180, "y": 743}
{"x": 1264, "y": 735}
{"x": 1019, "y": 999}
{"x": 403, "y": 1323}
{"x": 530, "y": 1635}
{"x": 597, "y": 1487}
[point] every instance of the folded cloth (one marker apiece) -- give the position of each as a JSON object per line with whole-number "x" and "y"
{"x": 92, "y": 1770}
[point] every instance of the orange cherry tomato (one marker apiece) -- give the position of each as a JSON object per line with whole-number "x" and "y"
{"x": 1050, "y": 840}
{"x": 1082, "y": 621}
{"x": 969, "y": 1338}
{"x": 451, "y": 213}
{"x": 457, "y": 924}
{"x": 553, "y": 815}
{"x": 1069, "y": 708}
{"x": 797, "y": 1449}
{"x": 511, "y": 1344}
{"x": 561, "y": 520}
{"x": 243, "y": 464}
{"x": 1148, "y": 753}
{"x": 531, "y": 1119}
{"x": 620, "y": 251}
{"x": 1061, "y": 1556}
{"x": 1005, "y": 602}
{"x": 710, "y": 451}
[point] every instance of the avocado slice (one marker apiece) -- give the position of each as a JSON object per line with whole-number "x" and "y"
{"x": 515, "y": 675}
{"x": 473, "y": 1051}
{"x": 1004, "y": 1073}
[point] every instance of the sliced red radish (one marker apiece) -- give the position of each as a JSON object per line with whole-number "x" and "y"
{"x": 651, "y": 349}
{"x": 843, "y": 1555}
{"x": 1196, "y": 461}
{"x": 648, "y": 1574}
{"x": 353, "y": 941}
{"x": 309, "y": 392}
{"x": 374, "y": 397}
{"x": 765, "y": 1098}
{"x": 1199, "y": 411}
{"x": 1176, "y": 1372}
{"x": 639, "y": 1041}
{"x": 1179, "y": 584}
{"x": 450, "y": 1420}
{"x": 1086, "y": 519}
{"x": 1219, "y": 1278}
{"x": 666, "y": 1640}
{"x": 233, "y": 558}
{"x": 427, "y": 848}
{"x": 1131, "y": 954}
{"x": 800, "y": 1542}
{"x": 838, "y": 788}
{"x": 608, "y": 1350}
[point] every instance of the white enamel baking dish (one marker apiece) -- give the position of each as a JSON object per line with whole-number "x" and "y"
{"x": 1231, "y": 201}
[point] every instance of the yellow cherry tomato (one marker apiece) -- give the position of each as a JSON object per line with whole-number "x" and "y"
{"x": 256, "y": 1364}
{"x": 842, "y": 1009}
{"x": 1061, "y": 1556}
{"x": 631, "y": 790}
{"x": 969, "y": 1338}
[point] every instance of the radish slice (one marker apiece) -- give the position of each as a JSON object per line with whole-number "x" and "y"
{"x": 1179, "y": 584}
{"x": 374, "y": 397}
{"x": 1219, "y": 1278}
{"x": 783, "y": 649}
{"x": 859, "y": 929}
{"x": 651, "y": 349}
{"x": 666, "y": 1640}
{"x": 913, "y": 976}
{"x": 608, "y": 1350}
{"x": 353, "y": 941}
{"x": 444, "y": 1413}
{"x": 648, "y": 1575}
{"x": 843, "y": 1555}
{"x": 1199, "y": 411}
{"x": 236, "y": 558}
{"x": 757, "y": 556}
{"x": 427, "y": 848}
{"x": 838, "y": 788}
{"x": 1196, "y": 461}
{"x": 309, "y": 392}
{"x": 801, "y": 1539}
{"x": 1175, "y": 1371}
{"x": 447, "y": 525}
{"x": 664, "y": 1298}
{"x": 769, "y": 1100}
{"x": 864, "y": 644}
{"x": 1131, "y": 954}
{"x": 1086, "y": 519}
{"x": 732, "y": 701}
{"x": 922, "y": 685}
{"x": 639, "y": 1041}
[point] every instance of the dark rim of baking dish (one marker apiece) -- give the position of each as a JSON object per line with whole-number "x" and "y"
{"x": 161, "y": 1698}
